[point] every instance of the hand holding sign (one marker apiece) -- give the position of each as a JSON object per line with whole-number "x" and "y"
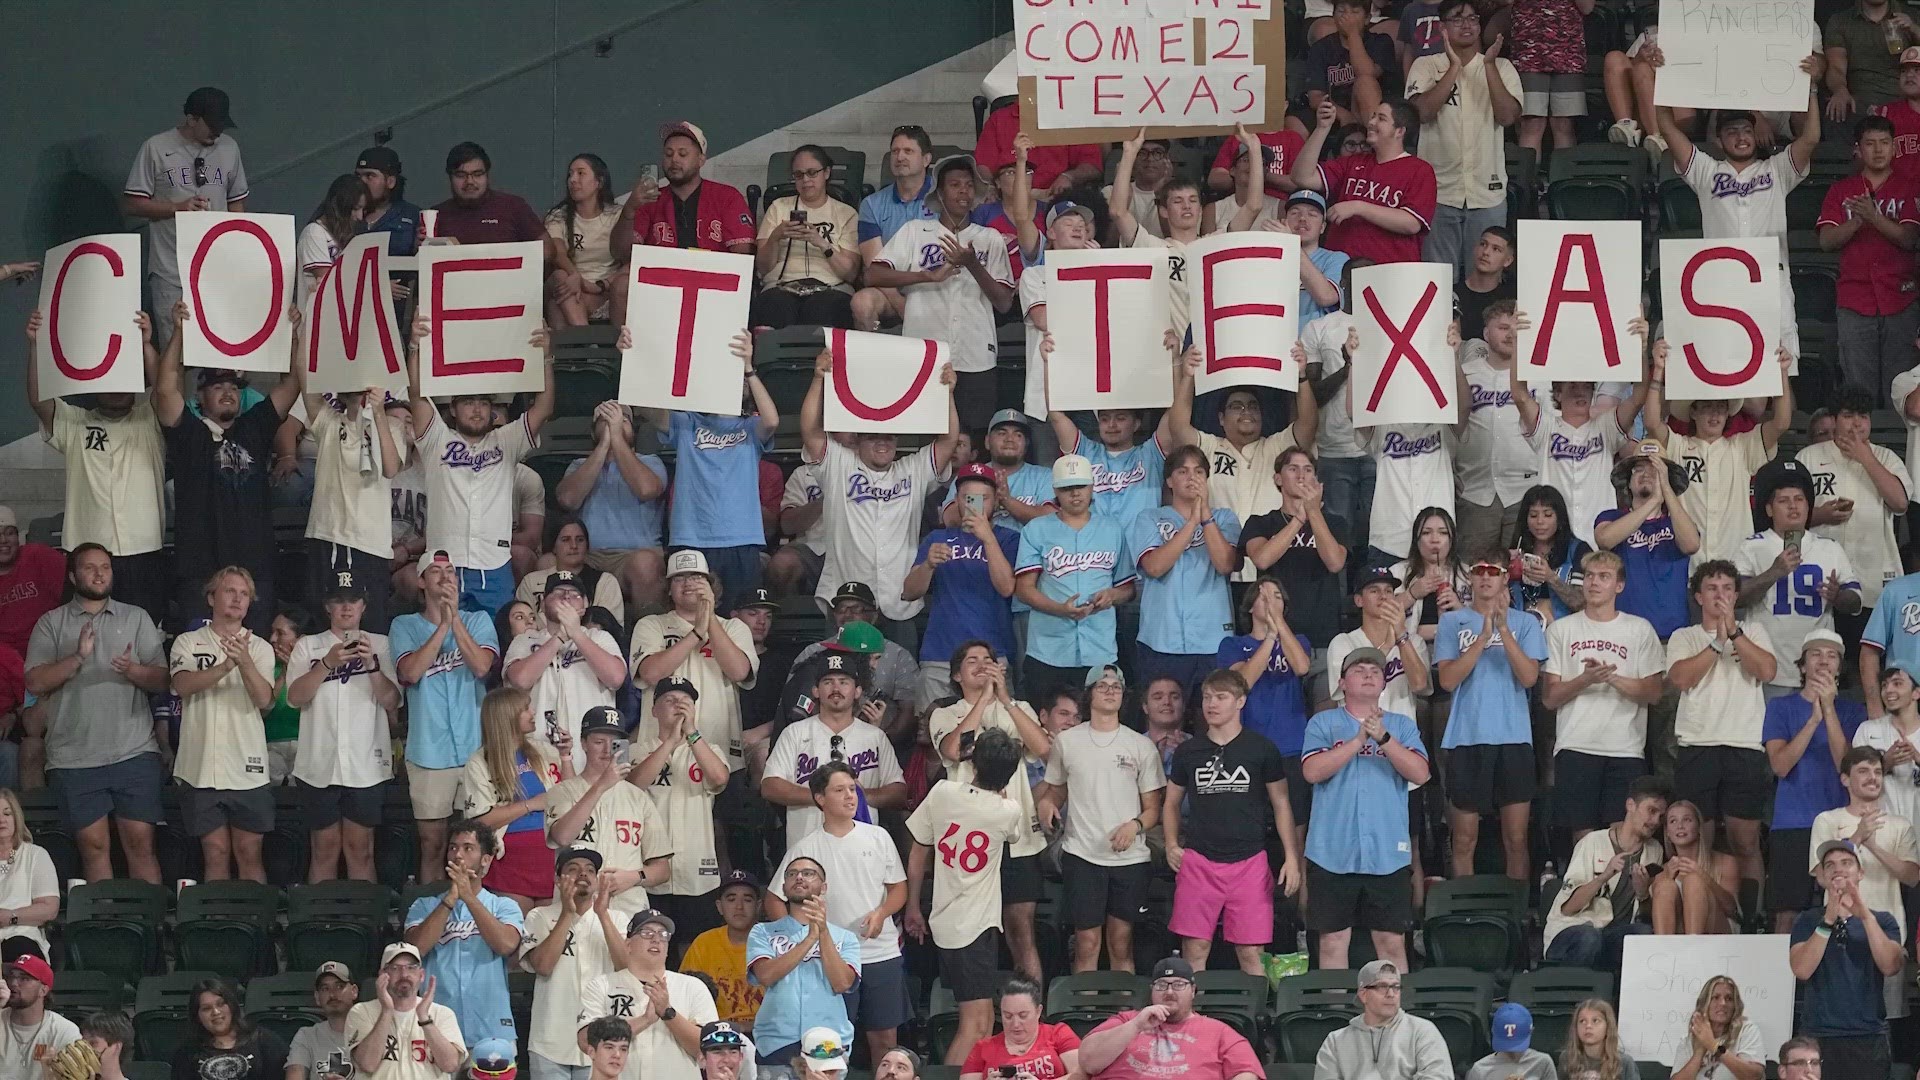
{"x": 482, "y": 302}
{"x": 1248, "y": 311}
{"x": 1404, "y": 367}
{"x": 684, "y": 305}
{"x": 343, "y": 353}
{"x": 1107, "y": 313}
{"x": 1583, "y": 278}
{"x": 880, "y": 382}
{"x": 237, "y": 273}
{"x": 1705, "y": 286}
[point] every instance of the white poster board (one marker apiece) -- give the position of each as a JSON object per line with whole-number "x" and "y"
{"x": 482, "y": 303}
{"x": 882, "y": 382}
{"x": 1404, "y": 371}
{"x": 1107, "y": 312}
{"x": 1661, "y": 977}
{"x": 1720, "y": 301}
{"x": 89, "y": 296}
{"x": 1248, "y": 313}
{"x": 352, "y": 342}
{"x": 237, "y": 273}
{"x": 1579, "y": 283}
{"x": 1735, "y": 54}
{"x": 684, "y": 308}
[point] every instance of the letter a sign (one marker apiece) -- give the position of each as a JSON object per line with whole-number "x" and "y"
{"x": 1721, "y": 302}
{"x": 1107, "y": 312}
{"x": 1579, "y": 283}
{"x": 885, "y": 383}
{"x": 1403, "y": 372}
{"x": 683, "y": 309}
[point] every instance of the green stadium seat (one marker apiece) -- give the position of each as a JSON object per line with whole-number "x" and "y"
{"x": 1653, "y": 1070}
{"x": 1599, "y": 160}
{"x": 943, "y": 1021}
{"x": 1081, "y": 1001}
{"x": 1814, "y": 293}
{"x": 940, "y": 1072}
{"x": 1288, "y": 1070}
{"x": 1553, "y": 993}
{"x": 286, "y": 851}
{"x": 114, "y": 927}
{"x": 1459, "y": 1002}
{"x": 147, "y": 1070}
{"x": 1592, "y": 198}
{"x": 1307, "y": 1007}
{"x": 227, "y": 926}
{"x": 161, "y": 1007}
{"x": 346, "y": 921}
{"x": 1476, "y": 922}
{"x": 1679, "y": 208}
{"x": 83, "y": 992}
{"x": 1803, "y": 203}
{"x": 1234, "y": 998}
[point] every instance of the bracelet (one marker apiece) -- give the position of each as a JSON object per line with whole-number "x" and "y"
{"x": 1823, "y": 930}
{"x": 428, "y": 1022}
{"x": 693, "y": 737}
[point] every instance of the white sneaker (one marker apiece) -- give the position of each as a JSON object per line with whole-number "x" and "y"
{"x": 1656, "y": 146}
{"x": 1625, "y": 132}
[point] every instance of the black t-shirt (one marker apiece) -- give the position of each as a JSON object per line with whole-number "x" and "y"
{"x": 264, "y": 1057}
{"x": 686, "y": 218}
{"x": 1330, "y": 70}
{"x": 759, "y": 705}
{"x": 1315, "y": 596}
{"x": 1473, "y": 305}
{"x": 221, "y": 509}
{"x": 1227, "y": 813}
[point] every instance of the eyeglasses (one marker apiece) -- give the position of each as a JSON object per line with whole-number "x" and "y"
{"x": 802, "y": 872}
{"x": 834, "y": 746}
{"x": 1171, "y": 984}
{"x": 470, "y": 174}
{"x": 199, "y": 172}
{"x": 807, "y": 174}
{"x": 1469, "y": 19}
{"x": 1154, "y": 152}
{"x": 652, "y": 933}
{"x": 1241, "y": 407}
{"x": 1383, "y": 987}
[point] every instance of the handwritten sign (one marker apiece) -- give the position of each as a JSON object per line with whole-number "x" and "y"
{"x": 482, "y": 303}
{"x": 1248, "y": 316}
{"x": 1579, "y": 283}
{"x": 89, "y": 294}
{"x": 881, "y": 382}
{"x": 1721, "y": 301}
{"x": 352, "y": 342}
{"x": 1661, "y": 977}
{"x": 237, "y": 273}
{"x": 683, "y": 310}
{"x": 1107, "y": 311}
{"x": 1735, "y": 54}
{"x": 1403, "y": 371}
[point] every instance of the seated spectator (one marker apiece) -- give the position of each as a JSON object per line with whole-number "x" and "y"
{"x": 405, "y": 1014}
{"x": 1056, "y": 169}
{"x": 721, "y": 953}
{"x": 662, "y": 1008}
{"x": 1800, "y": 1058}
{"x": 506, "y": 786}
{"x": 1030, "y": 1045}
{"x": 570, "y": 547}
{"x": 1627, "y": 78}
{"x": 1698, "y": 889}
{"x": 1604, "y": 894}
{"x": 894, "y": 679}
{"x": 1169, "y": 1038}
{"x": 579, "y": 249}
{"x": 29, "y": 891}
{"x": 467, "y": 933}
{"x": 109, "y": 1037}
{"x": 529, "y": 512}
{"x": 684, "y": 774}
{"x": 32, "y": 1031}
{"x": 724, "y": 1048}
{"x": 333, "y": 225}
{"x": 617, "y": 493}
{"x": 1807, "y": 735}
{"x": 1593, "y": 1045}
{"x": 1513, "y": 1053}
{"x": 1551, "y": 553}
{"x": 808, "y": 257}
{"x": 904, "y": 199}
{"x": 805, "y": 964}
{"x": 320, "y": 1051}
{"x": 222, "y": 1039}
{"x": 718, "y": 211}
{"x": 1843, "y": 953}
{"x": 478, "y": 213}
{"x": 568, "y": 667}
{"x": 967, "y": 574}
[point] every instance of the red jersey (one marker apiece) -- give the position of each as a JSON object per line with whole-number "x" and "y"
{"x": 720, "y": 213}
{"x": 28, "y": 591}
{"x": 1042, "y": 1061}
{"x": 995, "y": 149}
{"x": 1286, "y": 150}
{"x": 1876, "y": 275}
{"x": 1906, "y": 137}
{"x": 497, "y": 217}
{"x": 1405, "y": 183}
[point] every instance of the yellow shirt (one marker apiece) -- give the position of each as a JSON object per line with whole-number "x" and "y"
{"x": 712, "y": 955}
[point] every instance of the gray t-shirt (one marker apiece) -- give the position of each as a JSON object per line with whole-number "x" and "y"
{"x": 98, "y": 718}
{"x": 1532, "y": 1065}
{"x": 164, "y": 171}
{"x": 314, "y": 1049}
{"x": 1105, "y": 774}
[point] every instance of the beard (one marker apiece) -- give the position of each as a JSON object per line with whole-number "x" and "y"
{"x": 90, "y": 593}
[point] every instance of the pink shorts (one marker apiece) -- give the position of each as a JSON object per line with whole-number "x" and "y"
{"x": 1203, "y": 890}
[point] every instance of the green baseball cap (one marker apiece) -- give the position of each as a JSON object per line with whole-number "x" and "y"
{"x": 860, "y": 637}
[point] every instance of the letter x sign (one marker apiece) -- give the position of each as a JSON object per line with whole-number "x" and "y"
{"x": 1403, "y": 370}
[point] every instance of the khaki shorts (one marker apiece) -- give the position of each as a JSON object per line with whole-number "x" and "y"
{"x": 610, "y": 560}
{"x": 432, "y": 791}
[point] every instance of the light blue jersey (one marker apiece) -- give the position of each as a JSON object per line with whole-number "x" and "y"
{"x": 1895, "y": 624}
{"x": 1188, "y": 610}
{"x": 716, "y": 490}
{"x": 1364, "y": 805}
{"x": 470, "y": 978}
{"x": 1074, "y": 562}
{"x": 803, "y": 999}
{"x": 443, "y": 708}
{"x": 616, "y": 518}
{"x": 1029, "y": 484}
{"x": 1126, "y": 482}
{"x": 1489, "y": 708}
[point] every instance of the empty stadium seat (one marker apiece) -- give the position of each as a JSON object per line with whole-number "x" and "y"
{"x": 1234, "y": 998}
{"x": 1084, "y": 999}
{"x": 1592, "y": 198}
{"x": 83, "y": 992}
{"x": 1476, "y": 922}
{"x": 1459, "y": 1002}
{"x": 227, "y": 926}
{"x": 114, "y": 926}
{"x": 1552, "y": 994}
{"x": 1307, "y": 1007}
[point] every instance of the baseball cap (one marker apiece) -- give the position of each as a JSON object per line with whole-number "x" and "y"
{"x": 1007, "y": 416}
{"x": 673, "y": 685}
{"x": 760, "y": 598}
{"x": 1819, "y": 856}
{"x": 1364, "y": 655}
{"x": 1095, "y": 674}
{"x": 833, "y": 662}
{"x": 687, "y": 561}
{"x": 860, "y": 637}
{"x": 1072, "y": 470}
{"x": 1512, "y": 1028}
{"x": 334, "y": 968}
{"x": 1910, "y": 56}
{"x": 563, "y": 579}
{"x": 1173, "y": 967}
{"x": 568, "y": 854}
{"x": 1822, "y": 637}
{"x": 1064, "y": 207}
{"x": 973, "y": 472}
{"x": 379, "y": 157}
{"x": 823, "y": 1050}
{"x": 650, "y": 915}
{"x": 601, "y": 720}
{"x": 1782, "y": 473}
{"x": 1305, "y": 196}
{"x": 1650, "y": 449}
{"x": 495, "y": 1059}
{"x": 397, "y": 949}
{"x": 855, "y": 590}
{"x": 955, "y": 161}
{"x": 741, "y": 877}
{"x": 345, "y": 587}
{"x": 720, "y": 1035}
{"x": 216, "y": 376}
{"x": 682, "y": 127}
{"x": 7, "y": 518}
{"x": 430, "y": 558}
{"x": 1371, "y": 973}
{"x": 34, "y": 967}
{"x": 1375, "y": 576}
{"x": 210, "y": 103}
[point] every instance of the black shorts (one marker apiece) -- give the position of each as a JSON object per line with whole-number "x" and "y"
{"x": 972, "y": 971}
{"x": 202, "y": 810}
{"x": 1381, "y": 902}
{"x": 324, "y": 807}
{"x": 1590, "y": 791}
{"x": 879, "y": 1001}
{"x": 1482, "y": 779}
{"x": 1299, "y": 792}
{"x": 1044, "y": 679}
{"x": 1723, "y": 781}
{"x": 1020, "y": 880}
{"x": 1787, "y": 888}
{"x": 1096, "y": 893}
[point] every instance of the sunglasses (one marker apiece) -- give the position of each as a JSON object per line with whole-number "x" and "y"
{"x": 199, "y": 172}
{"x": 835, "y": 747}
{"x": 1486, "y": 568}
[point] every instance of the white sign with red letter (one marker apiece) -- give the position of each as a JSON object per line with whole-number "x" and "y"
{"x": 684, "y": 308}
{"x": 1249, "y": 310}
{"x": 482, "y": 304}
{"x": 882, "y": 382}
{"x": 1721, "y": 303}
{"x": 236, "y": 271}
{"x": 1735, "y": 54}
{"x": 1403, "y": 371}
{"x": 1579, "y": 283}
{"x": 1107, "y": 312}
{"x": 352, "y": 342}
{"x": 89, "y": 295}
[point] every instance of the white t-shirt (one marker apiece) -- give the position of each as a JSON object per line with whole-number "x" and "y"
{"x": 1031, "y": 841}
{"x": 1105, "y": 774}
{"x": 568, "y": 688}
{"x": 1325, "y": 340}
{"x": 860, "y": 866}
{"x": 554, "y": 1030}
{"x": 717, "y": 713}
{"x": 1579, "y": 461}
{"x": 223, "y": 741}
{"x": 30, "y": 876}
{"x": 1901, "y": 793}
{"x": 805, "y": 746}
{"x": 1719, "y": 485}
{"x": 654, "y": 1052}
{"x": 24, "y": 1052}
{"x": 1464, "y": 144}
{"x": 872, "y": 517}
{"x": 683, "y": 801}
{"x": 1398, "y": 695}
{"x": 803, "y": 487}
{"x": 1493, "y": 458}
{"x": 624, "y": 827}
{"x": 1413, "y": 470}
{"x": 956, "y": 310}
{"x": 407, "y": 1056}
{"x": 967, "y": 827}
{"x": 1794, "y": 607}
{"x": 471, "y": 489}
{"x": 1867, "y": 537}
{"x": 116, "y": 478}
{"x": 352, "y": 500}
{"x": 1728, "y": 707}
{"x": 1600, "y": 720}
{"x": 1878, "y": 886}
{"x": 1745, "y": 1044}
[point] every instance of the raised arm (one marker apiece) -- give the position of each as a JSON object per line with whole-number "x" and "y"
{"x": 1020, "y": 201}
{"x": 169, "y": 391}
{"x": 813, "y": 430}
{"x": 1252, "y": 193}
{"x": 1120, "y": 202}
{"x": 1306, "y": 167}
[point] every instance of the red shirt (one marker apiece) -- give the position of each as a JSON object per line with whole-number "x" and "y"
{"x": 28, "y": 591}
{"x": 498, "y": 218}
{"x": 13, "y": 680}
{"x": 1042, "y": 1061}
{"x": 1286, "y": 150}
{"x": 1876, "y": 275}
{"x": 720, "y": 210}
{"x": 1405, "y": 183}
{"x": 1197, "y": 1048}
{"x": 995, "y": 149}
{"x": 1906, "y": 137}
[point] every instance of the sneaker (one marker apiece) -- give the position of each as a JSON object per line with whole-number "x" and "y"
{"x": 1624, "y": 132}
{"x": 1656, "y": 147}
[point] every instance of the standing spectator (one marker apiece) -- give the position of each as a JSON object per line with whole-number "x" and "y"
{"x": 794, "y": 567}
{"x": 1182, "y": 220}
{"x": 1350, "y": 66}
{"x": 221, "y": 1041}
{"x": 349, "y": 528}
{"x": 909, "y": 154}
{"x": 1242, "y": 462}
{"x": 1056, "y": 169}
{"x": 1468, "y": 98}
{"x": 405, "y": 1014}
{"x": 1550, "y": 555}
{"x": 506, "y": 788}
{"x": 608, "y": 1041}
{"x": 568, "y": 667}
{"x": 683, "y": 773}
{"x": 579, "y": 245}
{"x": 808, "y": 256}
{"x": 388, "y": 211}
{"x": 1799, "y": 580}
{"x": 332, "y": 227}
{"x": 529, "y": 513}
{"x": 1163, "y": 704}
{"x": 1320, "y": 266}
{"x": 1513, "y": 1053}
{"x": 967, "y": 576}
{"x": 893, "y": 684}
{"x": 1279, "y": 150}
{"x": 1274, "y": 661}
{"x": 805, "y": 965}
{"x": 475, "y": 212}
{"x": 1865, "y": 45}
{"x": 283, "y": 720}
{"x": 1302, "y": 545}
{"x": 691, "y": 642}
{"x": 1414, "y": 463}
{"x": 33, "y": 1034}
{"x": 606, "y": 808}
{"x": 1843, "y": 952}
{"x": 1168, "y": 1037}
{"x": 720, "y": 954}
{"x": 1884, "y": 842}
{"x": 835, "y": 734}
{"x": 1873, "y": 220}
{"x": 1653, "y": 534}
{"x": 1185, "y": 550}
{"x": 1421, "y": 32}
{"x": 320, "y": 1051}
{"x": 1904, "y": 112}
{"x": 717, "y": 212}
{"x": 1038, "y": 1049}
{"x": 617, "y": 493}
{"x": 1072, "y": 570}
{"x": 664, "y": 1009}
{"x": 1487, "y": 281}
{"x": 1858, "y": 488}
{"x": 1489, "y": 658}
{"x": 342, "y": 681}
{"x": 1549, "y": 50}
{"x": 195, "y": 165}
{"x": 466, "y": 933}
{"x": 222, "y": 673}
{"x": 1361, "y": 760}
{"x": 1341, "y": 459}
{"x": 1383, "y": 201}
{"x": 1407, "y": 672}
{"x": 443, "y": 656}
{"x": 1603, "y": 896}
{"x": 1384, "y": 1040}
{"x": 1496, "y": 462}
{"x": 1807, "y": 735}
{"x": 1103, "y": 851}
{"x": 1153, "y": 168}
{"x": 1126, "y": 476}
{"x": 93, "y": 662}
{"x": 1894, "y": 733}
{"x": 1577, "y": 445}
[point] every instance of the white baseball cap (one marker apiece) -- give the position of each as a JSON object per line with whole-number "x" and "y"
{"x": 1822, "y": 637}
{"x": 823, "y": 1051}
{"x": 1072, "y": 470}
{"x": 687, "y": 561}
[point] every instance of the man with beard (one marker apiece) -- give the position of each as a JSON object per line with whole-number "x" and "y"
{"x": 116, "y": 475}
{"x": 93, "y": 662}
{"x": 697, "y": 212}
{"x": 1168, "y": 1038}
{"x": 33, "y": 1034}
{"x": 569, "y": 668}
{"x": 682, "y": 773}
{"x": 566, "y": 947}
{"x": 806, "y": 965}
{"x": 664, "y": 1009}
{"x": 475, "y": 212}
{"x": 892, "y": 688}
{"x": 606, "y": 810}
{"x": 837, "y": 733}
{"x": 1023, "y": 490}
{"x": 468, "y": 931}
{"x": 405, "y": 1034}
{"x": 321, "y": 1051}
{"x": 218, "y": 460}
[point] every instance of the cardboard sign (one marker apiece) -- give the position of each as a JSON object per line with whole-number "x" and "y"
{"x": 1247, "y": 317}
{"x": 237, "y": 273}
{"x": 351, "y": 340}
{"x": 482, "y": 303}
{"x": 1090, "y": 72}
{"x": 89, "y": 295}
{"x": 1107, "y": 312}
{"x": 1735, "y": 54}
{"x": 882, "y": 382}
{"x": 1579, "y": 282}
{"x": 684, "y": 309}
{"x": 1403, "y": 371}
{"x": 1721, "y": 303}
{"x": 1661, "y": 978}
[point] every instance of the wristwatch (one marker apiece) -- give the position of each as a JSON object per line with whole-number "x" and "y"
{"x": 669, "y": 1013}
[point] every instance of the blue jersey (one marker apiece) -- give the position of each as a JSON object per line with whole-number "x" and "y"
{"x": 1656, "y": 579}
{"x": 1186, "y": 610}
{"x": 616, "y": 518}
{"x": 1073, "y": 562}
{"x": 471, "y": 978}
{"x": 716, "y": 490}
{"x": 1124, "y": 482}
{"x": 883, "y": 212}
{"x": 1029, "y": 485}
{"x": 1276, "y": 702}
{"x": 401, "y": 223}
{"x": 1895, "y": 624}
{"x": 1331, "y": 263}
{"x": 443, "y": 708}
{"x": 1364, "y": 805}
{"x": 1812, "y": 786}
{"x": 802, "y": 999}
{"x": 1490, "y": 707}
{"x": 961, "y": 602}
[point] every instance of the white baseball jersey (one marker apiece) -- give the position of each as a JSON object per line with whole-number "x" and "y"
{"x": 556, "y": 997}
{"x": 1414, "y": 470}
{"x": 476, "y": 793}
{"x": 718, "y": 711}
{"x": 470, "y": 487}
{"x": 1031, "y": 841}
{"x": 1579, "y": 461}
{"x": 803, "y": 487}
{"x": 1178, "y": 307}
{"x": 873, "y": 523}
{"x": 685, "y": 802}
{"x": 1867, "y": 536}
{"x": 1325, "y": 340}
{"x": 654, "y": 1053}
{"x": 1493, "y": 459}
{"x": 803, "y": 747}
{"x": 344, "y": 739}
{"x": 1752, "y": 202}
{"x": 624, "y": 827}
{"x": 1033, "y": 294}
{"x": 1903, "y": 384}
{"x": 969, "y": 829}
{"x": 1242, "y": 476}
{"x": 116, "y": 478}
{"x": 1794, "y": 607}
{"x": 352, "y": 501}
{"x": 567, "y": 689}
{"x": 223, "y": 742}
{"x": 956, "y": 310}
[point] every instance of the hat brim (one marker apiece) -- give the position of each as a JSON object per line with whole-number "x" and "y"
{"x": 1676, "y": 475}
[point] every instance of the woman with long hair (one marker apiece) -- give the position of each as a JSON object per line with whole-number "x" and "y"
{"x": 222, "y": 1042}
{"x": 505, "y": 788}
{"x": 1720, "y": 1043}
{"x": 809, "y": 251}
{"x": 1697, "y": 889}
{"x": 1593, "y": 1046}
{"x": 1550, "y": 556}
{"x": 579, "y": 248}
{"x": 1024, "y": 1042}
{"x": 569, "y": 545}
{"x": 1435, "y": 577}
{"x": 29, "y": 886}
{"x": 1184, "y": 549}
{"x": 332, "y": 227}
{"x": 1275, "y": 660}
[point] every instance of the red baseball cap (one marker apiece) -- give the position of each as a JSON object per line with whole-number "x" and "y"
{"x": 35, "y": 968}
{"x": 974, "y": 472}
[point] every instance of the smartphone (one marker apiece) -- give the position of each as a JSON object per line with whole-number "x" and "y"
{"x": 1792, "y": 539}
{"x": 975, "y": 502}
{"x": 650, "y": 173}
{"x": 798, "y": 217}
